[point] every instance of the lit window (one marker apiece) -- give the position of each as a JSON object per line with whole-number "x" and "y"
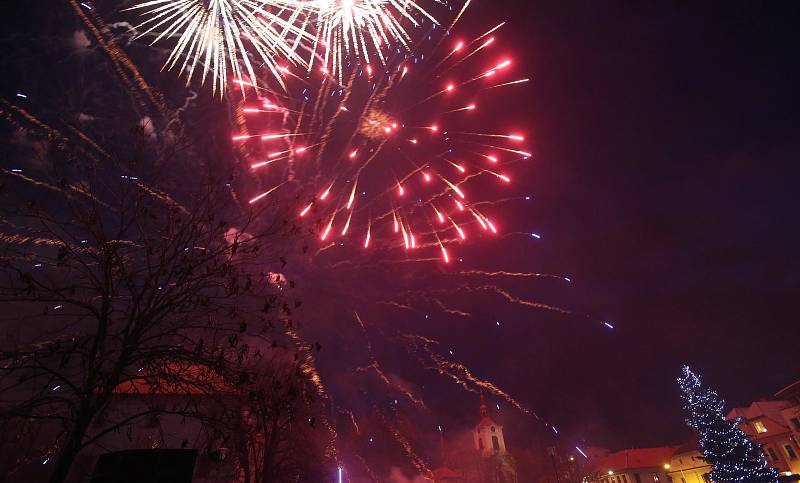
{"x": 760, "y": 428}
{"x": 790, "y": 452}
{"x": 772, "y": 455}
{"x": 495, "y": 443}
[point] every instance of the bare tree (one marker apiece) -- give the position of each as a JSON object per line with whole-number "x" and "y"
{"x": 105, "y": 281}
{"x": 128, "y": 265}
{"x": 279, "y": 435}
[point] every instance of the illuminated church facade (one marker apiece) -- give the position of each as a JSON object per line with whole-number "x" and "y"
{"x": 488, "y": 461}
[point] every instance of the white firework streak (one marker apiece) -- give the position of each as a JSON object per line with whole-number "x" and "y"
{"x": 216, "y": 33}
{"x": 363, "y": 27}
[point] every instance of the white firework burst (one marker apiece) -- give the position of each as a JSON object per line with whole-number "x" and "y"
{"x": 217, "y": 34}
{"x": 365, "y": 28}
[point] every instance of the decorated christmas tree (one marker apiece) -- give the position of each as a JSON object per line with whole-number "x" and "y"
{"x": 726, "y": 447}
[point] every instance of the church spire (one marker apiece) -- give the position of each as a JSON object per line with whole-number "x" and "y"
{"x": 484, "y": 409}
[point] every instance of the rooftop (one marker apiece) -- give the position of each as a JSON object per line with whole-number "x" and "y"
{"x": 767, "y": 412}
{"x": 635, "y": 458}
{"x": 688, "y": 447}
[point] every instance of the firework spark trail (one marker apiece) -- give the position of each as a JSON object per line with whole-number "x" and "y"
{"x": 120, "y": 60}
{"x": 266, "y": 193}
{"x": 346, "y": 26}
{"x": 373, "y": 476}
{"x": 213, "y": 33}
{"x": 434, "y": 300}
{"x": 374, "y": 97}
{"x": 443, "y": 193}
{"x": 520, "y": 81}
{"x": 88, "y": 140}
{"x": 407, "y": 260}
{"x": 160, "y": 195}
{"x": 326, "y": 247}
{"x": 329, "y": 126}
{"x": 371, "y": 127}
{"x": 32, "y": 181}
{"x": 499, "y": 200}
{"x": 325, "y": 113}
{"x": 458, "y": 372}
{"x": 20, "y": 239}
{"x": 395, "y": 304}
{"x": 307, "y": 363}
{"x": 355, "y": 265}
{"x": 176, "y": 119}
{"x": 485, "y": 44}
{"x": 73, "y": 188}
{"x": 8, "y": 110}
{"x": 308, "y": 367}
{"x": 519, "y": 301}
{"x": 351, "y": 416}
{"x": 291, "y": 167}
{"x": 488, "y": 32}
{"x": 525, "y": 154}
{"x": 455, "y": 20}
{"x": 319, "y": 105}
{"x": 413, "y": 348}
{"x": 448, "y": 310}
{"x": 503, "y": 273}
{"x": 375, "y": 367}
{"x": 240, "y": 122}
{"x": 415, "y": 459}
{"x": 367, "y": 125}
{"x": 17, "y": 239}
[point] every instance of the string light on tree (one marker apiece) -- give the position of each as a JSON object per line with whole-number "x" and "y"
{"x": 726, "y": 447}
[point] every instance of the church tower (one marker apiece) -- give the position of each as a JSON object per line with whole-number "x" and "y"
{"x": 494, "y": 463}
{"x": 488, "y": 435}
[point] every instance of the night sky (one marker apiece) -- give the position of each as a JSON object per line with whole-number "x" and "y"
{"x": 666, "y": 142}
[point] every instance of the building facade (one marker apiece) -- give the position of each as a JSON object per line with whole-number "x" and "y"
{"x": 765, "y": 422}
{"x": 687, "y": 465}
{"x": 488, "y": 461}
{"x": 640, "y": 465}
{"x": 773, "y": 425}
{"x": 791, "y": 414}
{"x": 496, "y": 463}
